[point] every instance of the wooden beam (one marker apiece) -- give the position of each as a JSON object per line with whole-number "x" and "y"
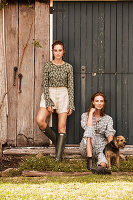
{"x": 41, "y": 56}
{"x": 96, "y": 0}
{"x": 11, "y": 35}
{"x": 3, "y": 108}
{"x": 26, "y": 69}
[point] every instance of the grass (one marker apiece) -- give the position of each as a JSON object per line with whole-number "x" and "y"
{"x": 47, "y": 163}
{"x": 64, "y": 188}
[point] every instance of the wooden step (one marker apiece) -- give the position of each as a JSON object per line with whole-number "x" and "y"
{"x": 70, "y": 150}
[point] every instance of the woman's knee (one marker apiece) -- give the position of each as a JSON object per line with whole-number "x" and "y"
{"x": 41, "y": 122}
{"x": 62, "y": 129}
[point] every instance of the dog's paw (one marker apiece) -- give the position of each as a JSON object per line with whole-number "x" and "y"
{"x": 123, "y": 157}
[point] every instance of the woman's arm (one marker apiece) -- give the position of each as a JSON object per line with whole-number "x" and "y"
{"x": 71, "y": 88}
{"x": 110, "y": 132}
{"x": 110, "y": 138}
{"x": 46, "y": 86}
{"x": 90, "y": 117}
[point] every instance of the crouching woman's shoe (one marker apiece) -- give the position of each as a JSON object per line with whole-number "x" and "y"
{"x": 100, "y": 170}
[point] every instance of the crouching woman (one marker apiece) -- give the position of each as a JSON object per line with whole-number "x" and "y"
{"x": 98, "y": 132}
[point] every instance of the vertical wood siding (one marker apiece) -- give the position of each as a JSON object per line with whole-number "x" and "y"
{"x": 41, "y": 56}
{"x": 25, "y": 23}
{"x": 99, "y": 36}
{"x": 3, "y": 110}
{"x": 11, "y": 35}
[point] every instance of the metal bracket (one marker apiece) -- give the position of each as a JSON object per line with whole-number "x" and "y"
{"x": 52, "y": 10}
{"x": 83, "y": 77}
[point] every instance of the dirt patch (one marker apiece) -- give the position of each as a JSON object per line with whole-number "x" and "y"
{"x": 10, "y": 162}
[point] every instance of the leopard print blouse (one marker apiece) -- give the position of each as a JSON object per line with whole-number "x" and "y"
{"x": 58, "y": 76}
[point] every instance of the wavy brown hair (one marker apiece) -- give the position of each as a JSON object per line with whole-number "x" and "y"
{"x": 102, "y": 113}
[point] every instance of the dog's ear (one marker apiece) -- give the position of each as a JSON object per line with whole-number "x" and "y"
{"x": 117, "y": 138}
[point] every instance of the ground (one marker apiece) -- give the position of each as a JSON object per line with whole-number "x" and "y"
{"x": 10, "y": 162}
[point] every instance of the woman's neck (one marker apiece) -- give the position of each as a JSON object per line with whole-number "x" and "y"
{"x": 58, "y": 61}
{"x": 97, "y": 113}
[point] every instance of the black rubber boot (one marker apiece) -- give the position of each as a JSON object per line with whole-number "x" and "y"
{"x": 89, "y": 162}
{"x": 60, "y": 146}
{"x": 100, "y": 170}
{"x": 50, "y": 134}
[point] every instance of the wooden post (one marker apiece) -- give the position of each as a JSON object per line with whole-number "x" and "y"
{"x": 26, "y": 68}
{"x": 11, "y": 38}
{"x": 41, "y": 56}
{"x": 3, "y": 110}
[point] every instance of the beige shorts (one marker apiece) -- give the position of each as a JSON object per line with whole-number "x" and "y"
{"x": 59, "y": 96}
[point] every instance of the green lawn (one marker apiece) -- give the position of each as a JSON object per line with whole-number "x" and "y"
{"x": 48, "y": 163}
{"x": 67, "y": 187}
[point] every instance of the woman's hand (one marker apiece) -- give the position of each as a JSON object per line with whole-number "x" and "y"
{"x": 92, "y": 110}
{"x": 50, "y": 109}
{"x": 69, "y": 112}
{"x": 90, "y": 117}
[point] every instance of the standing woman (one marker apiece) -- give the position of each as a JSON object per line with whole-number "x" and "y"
{"x": 98, "y": 132}
{"x": 58, "y": 94}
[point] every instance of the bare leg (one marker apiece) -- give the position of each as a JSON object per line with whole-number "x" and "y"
{"x": 41, "y": 118}
{"x": 62, "y": 118}
{"x": 41, "y": 121}
{"x": 89, "y": 148}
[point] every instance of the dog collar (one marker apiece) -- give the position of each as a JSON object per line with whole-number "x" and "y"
{"x": 114, "y": 146}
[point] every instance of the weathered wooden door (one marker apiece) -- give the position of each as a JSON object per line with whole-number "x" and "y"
{"x": 98, "y": 37}
{"x": 25, "y": 24}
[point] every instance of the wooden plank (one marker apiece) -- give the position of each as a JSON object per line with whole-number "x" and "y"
{"x": 95, "y": 45}
{"x": 94, "y": 0}
{"x": 65, "y": 30}
{"x": 59, "y": 21}
{"x": 26, "y": 57}
{"x": 70, "y": 121}
{"x": 41, "y": 56}
{"x": 54, "y": 21}
{"x": 3, "y": 104}
{"x": 119, "y": 38}
{"x": 130, "y": 77}
{"x": 11, "y": 34}
{"x": 107, "y": 37}
{"x": 69, "y": 151}
{"x": 125, "y": 33}
{"x": 83, "y": 34}
{"x": 130, "y": 37}
{"x": 77, "y": 69}
{"x": 89, "y": 54}
{"x": 101, "y": 45}
{"x": 119, "y": 65}
{"x": 113, "y": 38}
{"x": 130, "y": 108}
{"x": 89, "y": 37}
{"x": 39, "y": 174}
{"x": 125, "y": 37}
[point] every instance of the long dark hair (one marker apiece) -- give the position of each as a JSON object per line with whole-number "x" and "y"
{"x": 102, "y": 112}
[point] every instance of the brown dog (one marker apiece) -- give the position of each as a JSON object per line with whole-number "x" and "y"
{"x": 112, "y": 150}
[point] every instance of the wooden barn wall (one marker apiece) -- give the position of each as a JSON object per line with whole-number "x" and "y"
{"x": 23, "y": 25}
{"x": 99, "y": 37}
{"x": 3, "y": 106}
